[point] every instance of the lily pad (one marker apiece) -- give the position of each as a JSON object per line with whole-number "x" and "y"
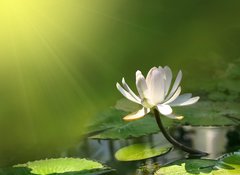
{"x": 141, "y": 151}
{"x": 232, "y": 71}
{"x": 182, "y": 169}
{"x": 207, "y": 113}
{"x": 127, "y": 105}
{"x": 15, "y": 171}
{"x": 187, "y": 167}
{"x": 231, "y": 160}
{"x": 110, "y": 125}
{"x": 227, "y": 164}
{"x": 62, "y": 165}
{"x": 227, "y": 84}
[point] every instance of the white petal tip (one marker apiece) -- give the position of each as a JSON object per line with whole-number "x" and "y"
{"x": 197, "y": 98}
{"x": 189, "y": 102}
{"x": 136, "y": 115}
{"x": 130, "y": 118}
{"x": 179, "y": 117}
{"x": 194, "y": 100}
{"x": 173, "y": 116}
{"x": 117, "y": 85}
{"x": 138, "y": 72}
{"x": 164, "y": 109}
{"x": 180, "y": 73}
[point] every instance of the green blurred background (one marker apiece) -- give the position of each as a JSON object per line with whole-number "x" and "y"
{"x": 60, "y": 60}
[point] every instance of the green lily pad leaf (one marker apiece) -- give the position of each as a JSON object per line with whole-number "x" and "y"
{"x": 207, "y": 113}
{"x": 188, "y": 167}
{"x": 110, "y": 125}
{"x": 232, "y": 71}
{"x": 127, "y": 105}
{"x": 227, "y": 90}
{"x": 171, "y": 170}
{"x": 62, "y": 165}
{"x": 140, "y": 151}
{"x": 230, "y": 160}
{"x": 226, "y": 87}
{"x": 226, "y": 172}
{"x": 227, "y": 164}
{"x": 108, "y": 119}
{"x": 15, "y": 171}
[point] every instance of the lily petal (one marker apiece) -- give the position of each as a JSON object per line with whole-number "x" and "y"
{"x": 175, "y": 85}
{"x": 164, "y": 109}
{"x": 136, "y": 115}
{"x": 125, "y": 85}
{"x": 126, "y": 94}
{"x": 175, "y": 96}
{"x": 168, "y": 80}
{"x": 141, "y": 85}
{"x": 148, "y": 77}
{"x": 155, "y": 83}
{"x": 181, "y": 99}
{"x": 189, "y": 102}
{"x": 173, "y": 116}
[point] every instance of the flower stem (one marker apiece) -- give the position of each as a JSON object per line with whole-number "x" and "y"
{"x": 173, "y": 141}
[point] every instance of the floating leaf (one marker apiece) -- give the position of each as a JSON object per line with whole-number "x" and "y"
{"x": 227, "y": 164}
{"x": 188, "y": 167}
{"x": 207, "y": 113}
{"x": 132, "y": 129}
{"x": 227, "y": 85}
{"x": 230, "y": 160}
{"x": 127, "y": 105}
{"x": 62, "y": 165}
{"x": 108, "y": 119}
{"x": 233, "y": 71}
{"x": 172, "y": 170}
{"x": 226, "y": 90}
{"x": 15, "y": 171}
{"x": 111, "y": 126}
{"x": 141, "y": 151}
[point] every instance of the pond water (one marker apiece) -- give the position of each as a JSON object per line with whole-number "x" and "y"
{"x": 214, "y": 140}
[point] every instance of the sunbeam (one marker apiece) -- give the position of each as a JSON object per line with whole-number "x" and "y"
{"x": 42, "y": 66}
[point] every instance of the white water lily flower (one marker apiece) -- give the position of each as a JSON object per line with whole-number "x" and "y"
{"x": 155, "y": 92}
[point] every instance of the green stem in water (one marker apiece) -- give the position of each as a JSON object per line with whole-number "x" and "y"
{"x": 173, "y": 141}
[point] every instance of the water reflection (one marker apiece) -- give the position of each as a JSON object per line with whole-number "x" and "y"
{"x": 212, "y": 140}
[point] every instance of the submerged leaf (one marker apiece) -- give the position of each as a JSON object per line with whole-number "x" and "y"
{"x": 140, "y": 151}
{"x": 61, "y": 165}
